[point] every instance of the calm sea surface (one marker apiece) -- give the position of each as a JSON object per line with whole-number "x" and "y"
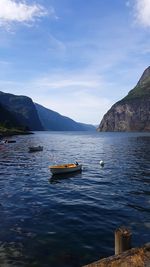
{"x": 69, "y": 221}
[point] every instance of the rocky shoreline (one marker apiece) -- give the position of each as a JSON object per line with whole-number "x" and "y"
{"x": 9, "y": 132}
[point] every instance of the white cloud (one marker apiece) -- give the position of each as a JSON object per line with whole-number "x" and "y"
{"x": 59, "y": 82}
{"x": 142, "y": 12}
{"x": 13, "y": 11}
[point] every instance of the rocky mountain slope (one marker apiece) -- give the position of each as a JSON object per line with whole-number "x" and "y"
{"x": 7, "y": 119}
{"x": 132, "y": 113}
{"x": 22, "y": 109}
{"x": 53, "y": 121}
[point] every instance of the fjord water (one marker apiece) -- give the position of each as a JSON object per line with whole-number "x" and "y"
{"x": 70, "y": 220}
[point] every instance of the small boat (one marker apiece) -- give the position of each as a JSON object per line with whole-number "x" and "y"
{"x": 35, "y": 148}
{"x": 65, "y": 168}
{"x": 9, "y": 141}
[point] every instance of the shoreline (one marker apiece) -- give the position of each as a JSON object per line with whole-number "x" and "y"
{"x": 10, "y": 133}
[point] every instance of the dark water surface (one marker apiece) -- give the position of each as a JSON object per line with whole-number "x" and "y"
{"x": 70, "y": 221}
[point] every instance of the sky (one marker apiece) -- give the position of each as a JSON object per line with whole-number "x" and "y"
{"x": 76, "y": 57}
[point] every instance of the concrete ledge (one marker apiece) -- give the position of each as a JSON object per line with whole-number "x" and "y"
{"x": 135, "y": 257}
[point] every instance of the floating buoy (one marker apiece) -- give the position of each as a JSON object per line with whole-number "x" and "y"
{"x": 101, "y": 163}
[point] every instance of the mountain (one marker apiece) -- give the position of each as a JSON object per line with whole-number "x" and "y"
{"x": 21, "y": 112}
{"x": 9, "y": 125}
{"x": 21, "y": 109}
{"x": 7, "y": 119}
{"x": 132, "y": 113}
{"x": 53, "y": 121}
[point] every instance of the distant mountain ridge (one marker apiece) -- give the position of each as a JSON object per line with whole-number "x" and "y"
{"x": 53, "y": 121}
{"x": 132, "y": 113}
{"x": 21, "y": 111}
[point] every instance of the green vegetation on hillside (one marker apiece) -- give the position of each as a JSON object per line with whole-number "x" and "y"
{"x": 9, "y": 125}
{"x": 131, "y": 113}
{"x": 11, "y": 131}
{"x": 21, "y": 110}
{"x": 141, "y": 90}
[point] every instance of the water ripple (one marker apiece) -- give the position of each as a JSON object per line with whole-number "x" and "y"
{"x": 69, "y": 220}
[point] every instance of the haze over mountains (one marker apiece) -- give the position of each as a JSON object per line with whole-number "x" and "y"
{"x": 132, "y": 113}
{"x": 21, "y": 111}
{"x": 53, "y": 121}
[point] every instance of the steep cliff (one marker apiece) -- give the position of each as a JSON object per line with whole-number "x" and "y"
{"x": 7, "y": 119}
{"x": 22, "y": 110}
{"x": 132, "y": 113}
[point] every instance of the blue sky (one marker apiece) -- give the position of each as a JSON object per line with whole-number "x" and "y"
{"x": 76, "y": 57}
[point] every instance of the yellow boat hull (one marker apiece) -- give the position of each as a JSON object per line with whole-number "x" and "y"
{"x": 65, "y": 168}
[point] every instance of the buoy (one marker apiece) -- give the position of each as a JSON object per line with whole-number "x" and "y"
{"x": 101, "y": 163}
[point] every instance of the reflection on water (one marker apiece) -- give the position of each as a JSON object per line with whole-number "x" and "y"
{"x": 56, "y": 178}
{"x": 69, "y": 220}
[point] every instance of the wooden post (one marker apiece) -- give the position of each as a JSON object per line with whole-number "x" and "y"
{"x": 122, "y": 240}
